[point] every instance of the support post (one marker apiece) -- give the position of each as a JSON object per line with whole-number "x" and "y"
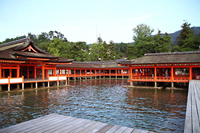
{"x": 131, "y": 83}
{"x": 48, "y": 81}
{"x": 18, "y": 86}
{"x": 172, "y": 84}
{"x": 22, "y": 82}
{"x": 18, "y": 71}
{"x": 155, "y": 84}
{"x": 55, "y": 70}
{"x": 0, "y": 88}
{"x": 36, "y": 85}
{"x": 27, "y": 71}
{"x": 31, "y": 85}
{"x": 190, "y": 73}
{"x": 0, "y": 71}
{"x": 43, "y": 84}
{"x": 35, "y": 72}
{"x": 9, "y": 83}
{"x": 43, "y": 73}
{"x": 57, "y": 81}
{"x": 10, "y": 75}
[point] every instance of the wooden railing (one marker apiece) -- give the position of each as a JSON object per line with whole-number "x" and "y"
{"x": 57, "y": 78}
{"x": 160, "y": 78}
{"x": 8, "y": 81}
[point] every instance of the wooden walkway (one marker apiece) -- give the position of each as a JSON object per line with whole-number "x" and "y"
{"x": 55, "y": 123}
{"x": 192, "y": 119}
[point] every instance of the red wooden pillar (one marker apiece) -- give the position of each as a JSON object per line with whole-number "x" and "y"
{"x": 172, "y": 73}
{"x": 22, "y": 71}
{"x": 131, "y": 73}
{"x": 46, "y": 72}
{"x": 43, "y": 73}
{"x": 55, "y": 70}
{"x": 18, "y": 68}
{"x": 35, "y": 72}
{"x": 3, "y": 73}
{"x": 155, "y": 73}
{"x": 0, "y": 71}
{"x": 27, "y": 72}
{"x": 74, "y": 72}
{"x": 190, "y": 73}
{"x": 10, "y": 73}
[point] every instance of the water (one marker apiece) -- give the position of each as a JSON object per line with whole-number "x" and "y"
{"x": 101, "y": 100}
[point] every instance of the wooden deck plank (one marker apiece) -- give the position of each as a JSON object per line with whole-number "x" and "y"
{"x": 68, "y": 126}
{"x": 50, "y": 124}
{"x": 113, "y": 129}
{"x": 42, "y": 124}
{"x": 106, "y": 128}
{"x": 55, "y": 123}
{"x": 192, "y": 119}
{"x": 59, "y": 125}
{"x": 129, "y": 130}
{"x": 77, "y": 125}
{"x": 188, "y": 116}
{"x": 83, "y": 126}
{"x": 137, "y": 131}
{"x": 92, "y": 127}
{"x": 195, "y": 123}
{"x": 99, "y": 127}
{"x": 28, "y": 124}
{"x": 121, "y": 129}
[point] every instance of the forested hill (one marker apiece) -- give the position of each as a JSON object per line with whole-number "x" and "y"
{"x": 56, "y": 43}
{"x": 176, "y": 34}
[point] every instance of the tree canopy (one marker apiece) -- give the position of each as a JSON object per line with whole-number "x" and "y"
{"x": 57, "y": 44}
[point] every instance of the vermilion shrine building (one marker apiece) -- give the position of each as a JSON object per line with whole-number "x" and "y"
{"x": 22, "y": 62}
{"x": 164, "y": 67}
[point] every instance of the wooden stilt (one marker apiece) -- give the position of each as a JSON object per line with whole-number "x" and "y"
{"x": 155, "y": 84}
{"x": 43, "y": 84}
{"x": 36, "y": 85}
{"x": 18, "y": 86}
{"x": 131, "y": 83}
{"x": 57, "y": 83}
{"x": 31, "y": 85}
{"x": 22, "y": 86}
{"x": 172, "y": 84}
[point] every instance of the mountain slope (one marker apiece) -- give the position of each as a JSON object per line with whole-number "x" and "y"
{"x": 176, "y": 34}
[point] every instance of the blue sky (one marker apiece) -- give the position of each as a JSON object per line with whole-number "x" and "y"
{"x": 84, "y": 20}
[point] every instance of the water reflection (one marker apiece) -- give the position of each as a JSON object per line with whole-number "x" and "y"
{"x": 101, "y": 100}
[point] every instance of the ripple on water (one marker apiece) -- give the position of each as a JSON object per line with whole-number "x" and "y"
{"x": 154, "y": 110}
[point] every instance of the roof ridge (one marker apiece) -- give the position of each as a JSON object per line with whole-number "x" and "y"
{"x": 15, "y": 42}
{"x": 170, "y": 53}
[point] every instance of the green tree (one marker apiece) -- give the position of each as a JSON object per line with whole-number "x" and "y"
{"x": 197, "y": 41}
{"x": 161, "y": 42}
{"x": 185, "y": 40}
{"x": 94, "y": 52}
{"x": 143, "y": 40}
{"x": 111, "y": 51}
{"x": 130, "y": 52}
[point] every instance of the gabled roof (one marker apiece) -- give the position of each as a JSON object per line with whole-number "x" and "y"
{"x": 24, "y": 49}
{"x": 159, "y": 58}
{"x": 93, "y": 64}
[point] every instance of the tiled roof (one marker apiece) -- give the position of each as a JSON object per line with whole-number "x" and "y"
{"x": 159, "y": 58}
{"x": 14, "y": 49}
{"x": 93, "y": 64}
